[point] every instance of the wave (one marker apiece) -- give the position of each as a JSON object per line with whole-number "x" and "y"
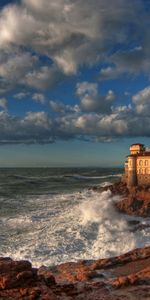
{"x": 57, "y": 180}
{"x": 78, "y": 176}
{"x": 52, "y": 229}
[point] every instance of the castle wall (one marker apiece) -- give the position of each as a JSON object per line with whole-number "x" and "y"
{"x": 137, "y": 168}
{"x": 136, "y": 148}
{"x": 132, "y": 174}
{"x": 143, "y": 179}
{"x": 143, "y": 170}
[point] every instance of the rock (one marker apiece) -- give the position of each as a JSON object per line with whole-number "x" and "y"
{"x": 122, "y": 277}
{"x": 46, "y": 275}
{"x": 6, "y": 264}
{"x": 134, "y": 201}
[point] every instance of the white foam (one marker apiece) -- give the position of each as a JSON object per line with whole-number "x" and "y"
{"x": 21, "y": 222}
{"x": 105, "y": 183}
{"x": 113, "y": 236}
{"x": 69, "y": 227}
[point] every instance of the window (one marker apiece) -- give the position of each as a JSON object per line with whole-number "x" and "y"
{"x": 146, "y": 171}
{"x": 140, "y": 171}
{"x": 146, "y": 163}
{"x": 140, "y": 163}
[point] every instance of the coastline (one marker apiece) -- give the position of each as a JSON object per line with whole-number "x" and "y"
{"x": 134, "y": 201}
{"x": 122, "y": 277}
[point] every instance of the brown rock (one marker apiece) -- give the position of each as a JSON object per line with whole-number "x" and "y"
{"x": 135, "y": 201}
{"x": 122, "y": 277}
{"x": 46, "y": 275}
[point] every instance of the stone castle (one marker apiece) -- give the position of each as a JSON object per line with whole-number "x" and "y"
{"x": 137, "y": 166}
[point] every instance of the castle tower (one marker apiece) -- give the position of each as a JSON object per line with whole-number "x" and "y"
{"x": 137, "y": 166}
{"x": 135, "y": 149}
{"x": 132, "y": 174}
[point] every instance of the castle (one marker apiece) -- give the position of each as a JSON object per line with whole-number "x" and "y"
{"x": 137, "y": 166}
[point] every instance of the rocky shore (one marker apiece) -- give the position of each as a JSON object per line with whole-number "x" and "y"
{"x": 134, "y": 201}
{"x": 123, "y": 277}
{"x": 119, "y": 278}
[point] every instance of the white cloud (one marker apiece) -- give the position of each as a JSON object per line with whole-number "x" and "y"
{"x": 142, "y": 101}
{"x": 126, "y": 63}
{"x": 37, "y": 119}
{"x": 13, "y": 69}
{"x": 70, "y": 33}
{"x": 33, "y": 128}
{"x": 142, "y": 96}
{"x": 57, "y": 106}
{"x": 20, "y": 95}
{"x": 17, "y": 26}
{"x": 60, "y": 108}
{"x": 3, "y": 103}
{"x": 43, "y": 78}
{"x": 39, "y": 98}
{"x": 87, "y": 88}
{"x": 90, "y": 100}
{"x": 39, "y": 127}
{"x": 44, "y": 42}
{"x": 16, "y": 66}
{"x": 108, "y": 73}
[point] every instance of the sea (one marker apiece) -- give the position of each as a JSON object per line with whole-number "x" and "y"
{"x": 51, "y": 215}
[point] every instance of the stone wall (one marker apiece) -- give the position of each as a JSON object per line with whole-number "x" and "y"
{"x": 143, "y": 179}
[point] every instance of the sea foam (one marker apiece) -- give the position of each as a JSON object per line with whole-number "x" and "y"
{"x": 68, "y": 227}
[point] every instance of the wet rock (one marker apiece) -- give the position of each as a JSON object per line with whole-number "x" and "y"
{"x": 122, "y": 277}
{"x": 134, "y": 201}
{"x": 45, "y": 274}
{"x": 137, "y": 203}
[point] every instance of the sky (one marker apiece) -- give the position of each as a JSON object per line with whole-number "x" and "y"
{"x": 74, "y": 81}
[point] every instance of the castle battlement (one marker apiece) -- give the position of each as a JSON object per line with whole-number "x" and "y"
{"x": 137, "y": 166}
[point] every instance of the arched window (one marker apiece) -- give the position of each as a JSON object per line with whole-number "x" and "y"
{"x": 141, "y": 163}
{"x": 146, "y": 171}
{"x": 140, "y": 171}
{"x": 146, "y": 163}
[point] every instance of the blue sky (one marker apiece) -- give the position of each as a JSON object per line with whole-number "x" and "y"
{"x": 74, "y": 81}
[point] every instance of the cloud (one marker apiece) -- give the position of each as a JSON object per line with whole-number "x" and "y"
{"x": 17, "y": 26}
{"x": 70, "y": 33}
{"x": 109, "y": 73}
{"x": 21, "y": 95}
{"x": 3, "y": 103}
{"x": 131, "y": 62}
{"x": 44, "y": 42}
{"x": 142, "y": 101}
{"x": 91, "y": 101}
{"x": 39, "y": 127}
{"x": 43, "y": 78}
{"x": 14, "y": 67}
{"x": 60, "y": 108}
{"x": 37, "y": 119}
{"x": 39, "y": 98}
{"x": 33, "y": 128}
{"x": 57, "y": 106}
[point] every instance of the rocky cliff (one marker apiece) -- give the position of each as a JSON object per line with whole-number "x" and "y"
{"x": 133, "y": 201}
